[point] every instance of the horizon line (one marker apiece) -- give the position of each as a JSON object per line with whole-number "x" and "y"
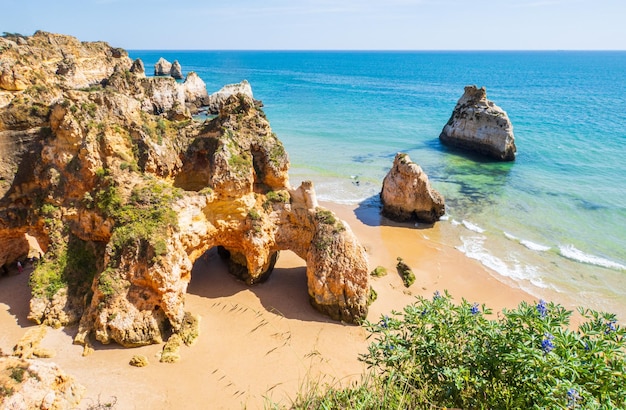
{"x": 374, "y": 50}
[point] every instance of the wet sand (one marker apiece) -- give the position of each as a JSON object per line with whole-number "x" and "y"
{"x": 262, "y": 344}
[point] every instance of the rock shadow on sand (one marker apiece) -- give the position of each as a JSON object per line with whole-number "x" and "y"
{"x": 284, "y": 293}
{"x": 15, "y": 293}
{"x": 369, "y": 212}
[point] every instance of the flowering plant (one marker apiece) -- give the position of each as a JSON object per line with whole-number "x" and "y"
{"x": 460, "y": 355}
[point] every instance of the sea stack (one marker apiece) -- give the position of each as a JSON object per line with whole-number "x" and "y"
{"x": 407, "y": 193}
{"x": 162, "y": 67}
{"x": 479, "y": 125}
{"x": 176, "y": 71}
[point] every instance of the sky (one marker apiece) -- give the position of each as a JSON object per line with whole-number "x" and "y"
{"x": 328, "y": 24}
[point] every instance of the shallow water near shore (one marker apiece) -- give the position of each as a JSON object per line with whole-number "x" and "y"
{"x": 552, "y": 221}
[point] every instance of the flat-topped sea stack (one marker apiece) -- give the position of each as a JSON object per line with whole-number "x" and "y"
{"x": 479, "y": 125}
{"x": 123, "y": 191}
{"x": 407, "y": 193}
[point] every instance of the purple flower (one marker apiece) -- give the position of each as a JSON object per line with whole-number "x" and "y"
{"x": 437, "y": 295}
{"x": 546, "y": 343}
{"x": 541, "y": 308}
{"x": 475, "y": 310}
{"x": 610, "y": 327}
{"x": 384, "y": 322}
{"x": 572, "y": 397}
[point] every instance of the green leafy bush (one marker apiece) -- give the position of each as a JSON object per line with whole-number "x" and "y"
{"x": 454, "y": 356}
{"x": 438, "y": 354}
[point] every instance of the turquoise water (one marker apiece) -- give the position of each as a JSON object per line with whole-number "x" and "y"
{"x": 554, "y": 220}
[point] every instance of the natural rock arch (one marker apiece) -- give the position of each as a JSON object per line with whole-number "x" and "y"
{"x": 123, "y": 199}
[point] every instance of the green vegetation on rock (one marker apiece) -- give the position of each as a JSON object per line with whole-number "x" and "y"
{"x": 379, "y": 272}
{"x": 408, "y": 277}
{"x": 146, "y": 218}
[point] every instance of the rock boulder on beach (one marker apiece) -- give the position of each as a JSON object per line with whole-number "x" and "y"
{"x": 407, "y": 193}
{"x": 479, "y": 125}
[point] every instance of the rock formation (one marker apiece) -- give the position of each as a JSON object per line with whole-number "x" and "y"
{"x": 138, "y": 67}
{"x": 34, "y": 384}
{"x": 407, "y": 194}
{"x": 165, "y": 68}
{"x": 162, "y": 67}
{"x": 217, "y": 99}
{"x": 123, "y": 192}
{"x": 176, "y": 71}
{"x": 479, "y": 125}
{"x": 196, "y": 95}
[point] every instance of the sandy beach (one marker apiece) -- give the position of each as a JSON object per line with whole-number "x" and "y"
{"x": 262, "y": 344}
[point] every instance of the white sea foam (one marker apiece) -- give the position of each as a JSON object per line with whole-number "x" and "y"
{"x": 444, "y": 217}
{"x": 473, "y": 247}
{"x": 534, "y": 246}
{"x": 454, "y": 222}
{"x": 537, "y": 247}
{"x": 570, "y": 252}
{"x": 472, "y": 227}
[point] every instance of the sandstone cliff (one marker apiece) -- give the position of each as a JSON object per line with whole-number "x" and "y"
{"x": 407, "y": 193}
{"x": 123, "y": 192}
{"x": 479, "y": 125}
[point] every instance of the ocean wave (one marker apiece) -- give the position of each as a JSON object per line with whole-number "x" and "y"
{"x": 473, "y": 247}
{"x": 570, "y": 252}
{"x": 534, "y": 246}
{"x": 537, "y": 247}
{"x": 472, "y": 227}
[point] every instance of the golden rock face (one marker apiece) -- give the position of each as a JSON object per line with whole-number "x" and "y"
{"x": 123, "y": 191}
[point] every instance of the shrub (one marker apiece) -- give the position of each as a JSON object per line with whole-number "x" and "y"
{"x": 438, "y": 354}
{"x": 454, "y": 356}
{"x": 379, "y": 272}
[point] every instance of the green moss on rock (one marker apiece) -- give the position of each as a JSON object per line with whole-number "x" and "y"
{"x": 408, "y": 277}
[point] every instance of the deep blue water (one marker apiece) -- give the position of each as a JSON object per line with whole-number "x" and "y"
{"x": 554, "y": 219}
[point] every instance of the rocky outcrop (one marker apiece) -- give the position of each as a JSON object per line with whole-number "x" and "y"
{"x": 407, "y": 193}
{"x": 217, "y": 99}
{"x": 45, "y": 57}
{"x": 196, "y": 95}
{"x": 34, "y": 384}
{"x": 165, "y": 68}
{"x": 176, "y": 71}
{"x": 479, "y": 125}
{"x": 138, "y": 68}
{"x": 123, "y": 192}
{"x": 162, "y": 67}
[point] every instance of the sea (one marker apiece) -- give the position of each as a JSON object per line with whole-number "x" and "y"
{"x": 551, "y": 222}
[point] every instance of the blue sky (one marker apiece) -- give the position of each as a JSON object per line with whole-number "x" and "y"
{"x": 329, "y": 24}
